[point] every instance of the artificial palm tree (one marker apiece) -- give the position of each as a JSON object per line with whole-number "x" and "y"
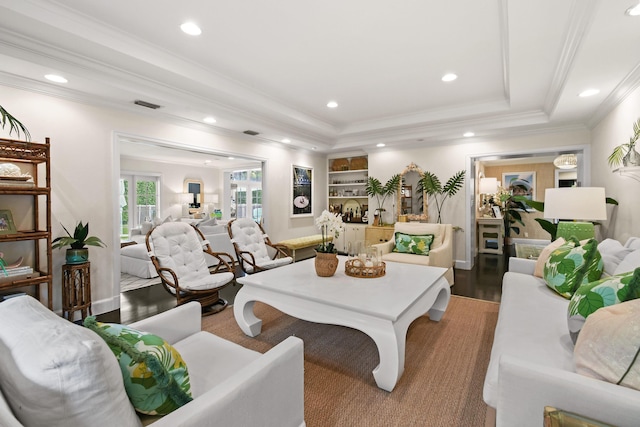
{"x": 433, "y": 187}
{"x": 14, "y": 124}
{"x": 375, "y": 189}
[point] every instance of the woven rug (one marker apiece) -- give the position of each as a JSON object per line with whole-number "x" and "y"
{"x": 129, "y": 282}
{"x": 445, "y": 365}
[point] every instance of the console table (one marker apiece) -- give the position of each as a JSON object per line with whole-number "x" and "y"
{"x": 490, "y": 235}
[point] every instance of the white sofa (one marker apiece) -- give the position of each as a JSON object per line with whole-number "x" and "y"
{"x": 531, "y": 362}
{"x": 57, "y": 373}
{"x": 440, "y": 254}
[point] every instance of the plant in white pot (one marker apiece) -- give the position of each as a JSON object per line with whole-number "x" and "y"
{"x": 626, "y": 154}
{"x": 77, "y": 253}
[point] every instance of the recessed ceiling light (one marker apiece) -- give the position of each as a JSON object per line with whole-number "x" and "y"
{"x": 191, "y": 29}
{"x": 468, "y": 134}
{"x": 589, "y": 92}
{"x": 206, "y": 162}
{"x": 380, "y": 145}
{"x": 332, "y": 104}
{"x": 633, "y": 10}
{"x": 314, "y": 148}
{"x": 209, "y": 119}
{"x": 231, "y": 158}
{"x": 449, "y": 77}
{"x": 56, "y": 78}
{"x": 286, "y": 140}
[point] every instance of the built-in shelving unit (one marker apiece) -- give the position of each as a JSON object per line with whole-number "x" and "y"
{"x": 632, "y": 172}
{"x": 32, "y": 159}
{"x": 347, "y": 196}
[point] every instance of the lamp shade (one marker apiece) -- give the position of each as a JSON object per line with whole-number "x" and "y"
{"x": 575, "y": 203}
{"x": 488, "y": 186}
{"x": 211, "y": 198}
{"x": 185, "y": 198}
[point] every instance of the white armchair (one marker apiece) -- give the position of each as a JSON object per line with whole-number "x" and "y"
{"x": 440, "y": 254}
{"x": 57, "y": 373}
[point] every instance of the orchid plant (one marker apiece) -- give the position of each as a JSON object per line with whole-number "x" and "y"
{"x": 329, "y": 224}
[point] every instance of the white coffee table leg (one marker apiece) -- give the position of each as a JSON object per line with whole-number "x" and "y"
{"x": 391, "y": 347}
{"x": 243, "y": 312}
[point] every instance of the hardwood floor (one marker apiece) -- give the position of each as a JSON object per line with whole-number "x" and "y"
{"x": 484, "y": 282}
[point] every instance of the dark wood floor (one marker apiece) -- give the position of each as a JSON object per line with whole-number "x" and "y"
{"x": 484, "y": 282}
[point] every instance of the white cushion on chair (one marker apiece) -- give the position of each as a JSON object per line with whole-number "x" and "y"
{"x": 178, "y": 247}
{"x": 249, "y": 238}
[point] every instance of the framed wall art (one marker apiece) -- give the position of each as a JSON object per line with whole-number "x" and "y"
{"x": 6, "y": 222}
{"x": 520, "y": 184}
{"x": 301, "y": 191}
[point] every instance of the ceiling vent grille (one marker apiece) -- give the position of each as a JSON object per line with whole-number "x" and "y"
{"x": 251, "y": 132}
{"x": 146, "y": 104}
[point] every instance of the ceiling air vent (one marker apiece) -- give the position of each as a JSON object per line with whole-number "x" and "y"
{"x": 146, "y": 104}
{"x": 251, "y": 132}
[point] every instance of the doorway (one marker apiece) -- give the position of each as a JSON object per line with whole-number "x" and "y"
{"x": 474, "y": 166}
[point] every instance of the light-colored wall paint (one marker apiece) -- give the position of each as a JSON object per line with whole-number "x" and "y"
{"x": 613, "y": 130}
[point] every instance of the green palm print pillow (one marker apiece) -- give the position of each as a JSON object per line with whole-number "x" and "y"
{"x": 601, "y": 293}
{"x": 155, "y": 375}
{"x": 413, "y": 243}
{"x": 572, "y": 265}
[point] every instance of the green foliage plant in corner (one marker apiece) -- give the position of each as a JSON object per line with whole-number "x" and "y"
{"x": 431, "y": 184}
{"x": 626, "y": 154}
{"x": 14, "y": 124}
{"x": 375, "y": 189}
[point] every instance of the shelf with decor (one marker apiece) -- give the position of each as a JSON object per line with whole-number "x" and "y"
{"x": 347, "y": 196}
{"x": 632, "y": 172}
{"x": 25, "y": 172}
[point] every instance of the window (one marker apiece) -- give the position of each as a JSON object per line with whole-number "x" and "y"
{"x": 246, "y": 194}
{"x": 139, "y": 201}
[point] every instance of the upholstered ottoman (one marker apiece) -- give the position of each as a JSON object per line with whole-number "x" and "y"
{"x": 135, "y": 260}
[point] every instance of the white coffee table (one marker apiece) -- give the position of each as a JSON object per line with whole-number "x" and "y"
{"x": 382, "y": 308}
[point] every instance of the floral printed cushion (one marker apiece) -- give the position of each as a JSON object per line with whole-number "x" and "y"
{"x": 572, "y": 265}
{"x": 601, "y": 293}
{"x": 413, "y": 243}
{"x": 155, "y": 375}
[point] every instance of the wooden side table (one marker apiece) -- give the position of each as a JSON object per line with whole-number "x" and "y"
{"x": 76, "y": 289}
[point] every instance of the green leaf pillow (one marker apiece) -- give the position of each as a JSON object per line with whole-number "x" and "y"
{"x": 155, "y": 375}
{"x": 601, "y": 293}
{"x": 572, "y": 265}
{"x": 413, "y": 243}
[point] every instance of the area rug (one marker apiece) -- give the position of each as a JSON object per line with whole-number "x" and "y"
{"x": 445, "y": 365}
{"x": 129, "y": 282}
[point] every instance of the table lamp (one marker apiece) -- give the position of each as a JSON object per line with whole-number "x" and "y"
{"x": 573, "y": 206}
{"x": 486, "y": 186}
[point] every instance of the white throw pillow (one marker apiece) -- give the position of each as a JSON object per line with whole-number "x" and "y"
{"x": 57, "y": 373}
{"x": 146, "y": 226}
{"x": 544, "y": 256}
{"x": 629, "y": 263}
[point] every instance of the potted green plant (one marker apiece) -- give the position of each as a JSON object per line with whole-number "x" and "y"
{"x": 77, "y": 253}
{"x": 375, "y": 189}
{"x": 626, "y": 154}
{"x": 14, "y": 124}
{"x": 433, "y": 187}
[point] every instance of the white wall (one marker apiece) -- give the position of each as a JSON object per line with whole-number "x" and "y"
{"x": 613, "y": 130}
{"x": 85, "y": 169}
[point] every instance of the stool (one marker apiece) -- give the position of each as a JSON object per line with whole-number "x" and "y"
{"x": 76, "y": 289}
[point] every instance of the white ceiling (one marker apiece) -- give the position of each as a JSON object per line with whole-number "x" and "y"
{"x": 272, "y": 66}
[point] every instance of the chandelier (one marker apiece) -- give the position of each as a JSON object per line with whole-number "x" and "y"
{"x": 566, "y": 161}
